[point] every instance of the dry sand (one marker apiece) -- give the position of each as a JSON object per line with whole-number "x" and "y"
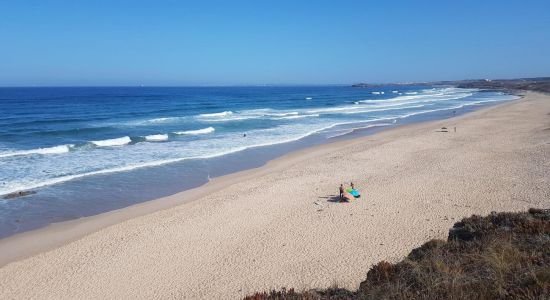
{"x": 277, "y": 225}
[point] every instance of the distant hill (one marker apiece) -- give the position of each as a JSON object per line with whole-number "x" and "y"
{"x": 540, "y": 84}
{"x": 501, "y": 256}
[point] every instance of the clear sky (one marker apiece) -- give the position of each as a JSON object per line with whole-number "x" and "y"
{"x": 206, "y": 42}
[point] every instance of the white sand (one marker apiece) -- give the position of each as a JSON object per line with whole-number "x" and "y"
{"x": 261, "y": 229}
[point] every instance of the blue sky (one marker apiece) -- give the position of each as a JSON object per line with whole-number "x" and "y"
{"x": 269, "y": 42}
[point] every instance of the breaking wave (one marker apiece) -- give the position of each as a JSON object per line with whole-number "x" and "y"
{"x": 196, "y": 132}
{"x": 216, "y": 115}
{"x": 113, "y": 142}
{"x": 42, "y": 151}
{"x": 156, "y": 137}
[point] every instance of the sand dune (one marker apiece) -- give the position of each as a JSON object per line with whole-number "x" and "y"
{"x": 279, "y": 226}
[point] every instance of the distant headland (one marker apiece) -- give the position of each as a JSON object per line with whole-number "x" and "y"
{"x": 539, "y": 84}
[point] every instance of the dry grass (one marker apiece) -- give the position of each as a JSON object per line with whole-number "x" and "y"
{"x": 501, "y": 256}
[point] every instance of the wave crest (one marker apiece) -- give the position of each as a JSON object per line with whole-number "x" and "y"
{"x": 113, "y": 142}
{"x": 156, "y": 137}
{"x": 296, "y": 117}
{"x": 216, "y": 115}
{"x": 197, "y": 132}
{"x": 43, "y": 151}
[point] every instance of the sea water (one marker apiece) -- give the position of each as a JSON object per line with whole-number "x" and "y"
{"x": 89, "y": 150}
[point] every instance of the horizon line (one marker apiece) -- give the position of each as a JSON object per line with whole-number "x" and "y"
{"x": 270, "y": 84}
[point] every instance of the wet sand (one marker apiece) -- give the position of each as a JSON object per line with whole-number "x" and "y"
{"x": 280, "y": 225}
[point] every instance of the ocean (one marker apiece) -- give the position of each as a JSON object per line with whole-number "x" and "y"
{"x": 87, "y": 150}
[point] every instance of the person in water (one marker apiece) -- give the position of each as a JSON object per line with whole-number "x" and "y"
{"x": 341, "y": 192}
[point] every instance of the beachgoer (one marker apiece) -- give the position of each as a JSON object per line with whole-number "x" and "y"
{"x": 244, "y": 135}
{"x": 341, "y": 192}
{"x": 352, "y": 186}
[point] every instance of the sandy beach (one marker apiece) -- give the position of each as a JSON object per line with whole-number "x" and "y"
{"x": 281, "y": 225}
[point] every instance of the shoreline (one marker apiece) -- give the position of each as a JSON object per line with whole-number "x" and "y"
{"x": 28, "y": 243}
{"x": 279, "y": 225}
{"x": 91, "y": 195}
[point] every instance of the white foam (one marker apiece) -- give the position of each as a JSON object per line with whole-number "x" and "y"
{"x": 232, "y": 119}
{"x": 159, "y": 120}
{"x": 276, "y": 142}
{"x": 419, "y": 98}
{"x": 382, "y": 108}
{"x": 43, "y": 151}
{"x": 217, "y": 115}
{"x": 233, "y": 116}
{"x": 331, "y": 110}
{"x": 296, "y": 117}
{"x": 129, "y": 167}
{"x": 309, "y": 98}
{"x": 283, "y": 114}
{"x": 450, "y": 108}
{"x": 376, "y": 93}
{"x": 196, "y": 132}
{"x": 164, "y": 120}
{"x": 247, "y": 115}
{"x": 400, "y": 98}
{"x": 395, "y": 92}
{"x": 113, "y": 142}
{"x": 156, "y": 137}
{"x": 94, "y": 161}
{"x": 382, "y": 105}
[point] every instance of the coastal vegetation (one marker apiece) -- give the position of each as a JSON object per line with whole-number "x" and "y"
{"x": 500, "y": 256}
{"x": 537, "y": 84}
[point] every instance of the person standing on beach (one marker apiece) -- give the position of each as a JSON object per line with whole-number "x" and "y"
{"x": 352, "y": 186}
{"x": 341, "y": 192}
